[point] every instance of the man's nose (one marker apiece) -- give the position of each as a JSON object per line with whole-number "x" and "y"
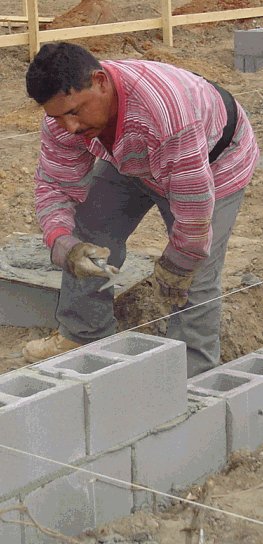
{"x": 71, "y": 124}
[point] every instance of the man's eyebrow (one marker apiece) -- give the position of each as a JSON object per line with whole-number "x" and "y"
{"x": 65, "y": 113}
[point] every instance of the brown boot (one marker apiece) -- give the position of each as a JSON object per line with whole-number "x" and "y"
{"x": 36, "y": 350}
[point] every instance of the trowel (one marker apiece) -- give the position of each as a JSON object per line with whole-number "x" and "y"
{"x": 113, "y": 277}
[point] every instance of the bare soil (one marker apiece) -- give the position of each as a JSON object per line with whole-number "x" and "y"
{"x": 209, "y": 50}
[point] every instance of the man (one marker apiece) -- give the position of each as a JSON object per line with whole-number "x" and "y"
{"x": 162, "y": 136}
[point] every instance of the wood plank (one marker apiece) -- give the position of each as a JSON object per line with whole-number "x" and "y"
{"x": 14, "y": 39}
{"x": 11, "y": 25}
{"x": 23, "y": 19}
{"x": 33, "y": 27}
{"x": 99, "y": 30}
{"x": 167, "y": 22}
{"x": 212, "y": 16}
{"x": 25, "y": 8}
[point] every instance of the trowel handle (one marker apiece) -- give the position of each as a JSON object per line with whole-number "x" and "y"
{"x": 101, "y": 263}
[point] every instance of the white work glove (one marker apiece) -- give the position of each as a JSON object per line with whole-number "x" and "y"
{"x": 79, "y": 258}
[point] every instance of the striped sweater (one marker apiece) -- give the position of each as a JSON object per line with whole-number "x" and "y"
{"x": 168, "y": 122}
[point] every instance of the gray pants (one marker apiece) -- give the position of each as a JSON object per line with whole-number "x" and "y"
{"x": 115, "y": 206}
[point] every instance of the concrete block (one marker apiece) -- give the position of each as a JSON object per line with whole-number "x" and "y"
{"x": 250, "y": 364}
{"x": 174, "y": 459}
{"x": 243, "y": 393}
{"x": 112, "y": 499}
{"x": 134, "y": 343}
{"x": 133, "y": 383}
{"x": 245, "y": 418}
{"x": 217, "y": 383}
{"x": 249, "y": 42}
{"x": 239, "y": 63}
{"x": 42, "y": 416}
{"x": 248, "y": 46}
{"x": 65, "y": 505}
{"x": 258, "y": 63}
{"x": 10, "y": 533}
{"x": 76, "y": 364}
{"x": 24, "y": 305}
{"x": 77, "y": 502}
{"x": 249, "y": 63}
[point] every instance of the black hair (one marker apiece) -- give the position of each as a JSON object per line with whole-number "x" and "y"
{"x": 59, "y": 67}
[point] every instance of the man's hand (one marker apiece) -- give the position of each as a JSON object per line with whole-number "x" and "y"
{"x": 172, "y": 285}
{"x": 81, "y": 261}
{"x": 79, "y": 258}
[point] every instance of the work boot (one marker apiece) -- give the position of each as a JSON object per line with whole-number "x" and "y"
{"x": 36, "y": 350}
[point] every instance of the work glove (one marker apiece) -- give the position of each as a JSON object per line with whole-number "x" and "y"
{"x": 172, "y": 285}
{"x": 79, "y": 258}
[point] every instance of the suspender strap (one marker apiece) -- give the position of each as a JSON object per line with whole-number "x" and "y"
{"x": 230, "y": 127}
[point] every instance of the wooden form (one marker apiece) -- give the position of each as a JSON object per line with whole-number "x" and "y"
{"x": 166, "y": 22}
{"x": 25, "y": 9}
{"x": 23, "y": 19}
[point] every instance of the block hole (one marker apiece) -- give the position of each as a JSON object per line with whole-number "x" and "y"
{"x": 24, "y": 386}
{"x": 222, "y": 382}
{"x": 254, "y": 366}
{"x": 86, "y": 364}
{"x": 132, "y": 346}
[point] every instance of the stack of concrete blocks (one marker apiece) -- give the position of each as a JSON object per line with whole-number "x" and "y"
{"x": 118, "y": 408}
{"x": 248, "y": 46}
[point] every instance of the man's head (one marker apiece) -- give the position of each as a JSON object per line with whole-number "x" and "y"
{"x": 72, "y": 86}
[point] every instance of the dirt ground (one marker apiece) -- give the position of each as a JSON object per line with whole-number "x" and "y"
{"x": 209, "y": 50}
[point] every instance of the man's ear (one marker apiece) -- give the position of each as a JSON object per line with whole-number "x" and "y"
{"x": 100, "y": 79}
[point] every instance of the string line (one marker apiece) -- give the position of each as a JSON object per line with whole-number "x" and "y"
{"x": 167, "y": 316}
{"x": 133, "y": 486}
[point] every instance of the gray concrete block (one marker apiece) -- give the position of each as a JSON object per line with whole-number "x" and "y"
{"x": 258, "y": 63}
{"x": 249, "y": 42}
{"x": 239, "y": 63}
{"x": 134, "y": 343}
{"x": 251, "y": 364}
{"x": 76, "y": 364}
{"x": 248, "y": 46}
{"x": 176, "y": 458}
{"x": 243, "y": 393}
{"x": 134, "y": 382}
{"x": 217, "y": 383}
{"x": 80, "y": 501}
{"x": 249, "y": 63}
{"x": 112, "y": 499}
{"x": 65, "y": 505}
{"x": 24, "y": 305}
{"x": 146, "y": 390}
{"x": 43, "y": 416}
{"x": 245, "y": 419}
{"x": 10, "y": 533}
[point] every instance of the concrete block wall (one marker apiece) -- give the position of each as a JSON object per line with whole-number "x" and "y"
{"x": 132, "y": 383}
{"x": 248, "y": 46}
{"x": 121, "y": 408}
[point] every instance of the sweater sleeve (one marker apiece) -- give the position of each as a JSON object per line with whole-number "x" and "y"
{"x": 62, "y": 180}
{"x": 181, "y": 166}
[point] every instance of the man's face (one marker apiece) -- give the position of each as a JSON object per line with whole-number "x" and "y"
{"x": 84, "y": 112}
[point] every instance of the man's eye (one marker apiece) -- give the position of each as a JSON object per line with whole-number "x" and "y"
{"x": 75, "y": 112}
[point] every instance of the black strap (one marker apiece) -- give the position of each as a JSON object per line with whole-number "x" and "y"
{"x": 230, "y": 127}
